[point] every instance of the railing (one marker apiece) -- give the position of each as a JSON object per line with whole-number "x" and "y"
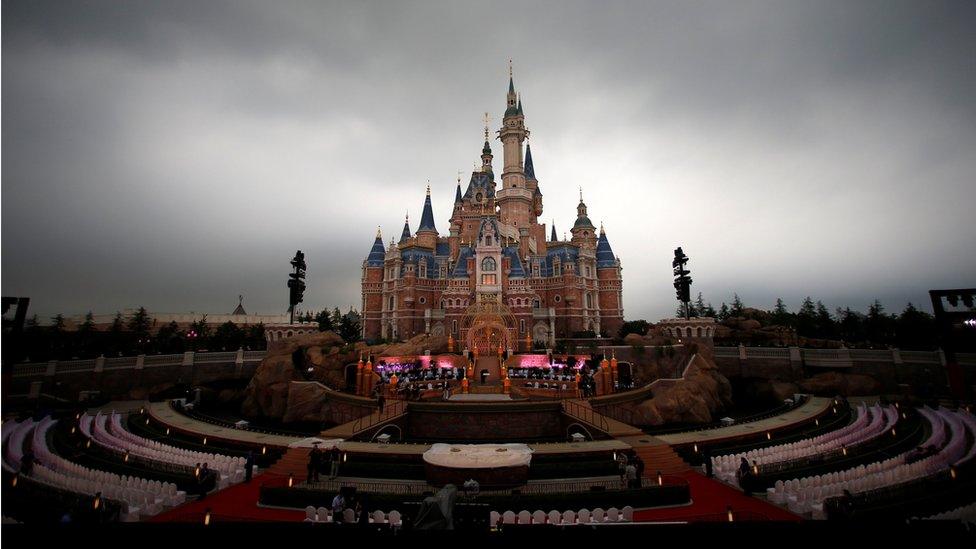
{"x": 581, "y": 412}
{"x": 393, "y": 409}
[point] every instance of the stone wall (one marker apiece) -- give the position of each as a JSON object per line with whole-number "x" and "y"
{"x": 458, "y": 422}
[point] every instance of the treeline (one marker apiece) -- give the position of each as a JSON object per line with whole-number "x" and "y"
{"x": 909, "y": 329}
{"x": 347, "y": 326}
{"x": 134, "y": 335}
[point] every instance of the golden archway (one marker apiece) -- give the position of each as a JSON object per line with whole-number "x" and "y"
{"x": 488, "y": 325}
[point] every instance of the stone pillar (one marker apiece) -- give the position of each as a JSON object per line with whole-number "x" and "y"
{"x": 614, "y": 379}
{"x": 896, "y": 356}
{"x": 188, "y": 358}
{"x": 140, "y": 362}
{"x": 796, "y": 363}
{"x": 99, "y": 363}
{"x": 52, "y": 367}
{"x": 368, "y": 379}
{"x": 506, "y": 385}
{"x": 464, "y": 385}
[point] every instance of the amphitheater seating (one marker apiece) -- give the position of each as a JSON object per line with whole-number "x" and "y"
{"x": 807, "y": 494}
{"x": 139, "y": 496}
{"x": 869, "y": 424}
{"x": 966, "y": 514}
{"x": 107, "y": 431}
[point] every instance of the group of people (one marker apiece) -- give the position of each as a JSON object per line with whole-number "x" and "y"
{"x": 631, "y": 468}
{"x": 317, "y": 460}
{"x": 358, "y": 503}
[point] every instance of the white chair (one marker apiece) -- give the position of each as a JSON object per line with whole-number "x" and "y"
{"x": 310, "y": 513}
{"x": 555, "y": 517}
{"x": 349, "y": 516}
{"x": 379, "y": 517}
{"x": 508, "y": 517}
{"x": 627, "y": 513}
{"x": 539, "y": 517}
{"x": 323, "y": 515}
{"x": 569, "y": 517}
{"x": 494, "y": 517}
{"x": 524, "y": 517}
{"x": 584, "y": 516}
{"x": 613, "y": 514}
{"x": 394, "y": 518}
{"x": 598, "y": 515}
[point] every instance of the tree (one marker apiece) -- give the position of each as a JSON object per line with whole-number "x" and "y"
{"x": 781, "y": 315}
{"x": 168, "y": 338}
{"x": 737, "y": 306}
{"x": 708, "y": 311}
{"x": 723, "y": 312}
{"x": 878, "y": 327}
{"x": 639, "y": 327}
{"x": 349, "y": 329}
{"x": 699, "y": 306}
{"x": 336, "y": 318}
{"x": 255, "y": 336}
{"x": 806, "y": 318}
{"x": 228, "y": 336}
{"x": 324, "y": 320}
{"x": 826, "y": 327}
{"x": 851, "y": 325}
{"x": 915, "y": 329}
{"x": 85, "y": 336}
{"x": 117, "y": 324}
{"x": 140, "y": 322}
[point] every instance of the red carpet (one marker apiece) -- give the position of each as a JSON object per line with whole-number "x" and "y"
{"x": 710, "y": 501}
{"x": 237, "y": 503}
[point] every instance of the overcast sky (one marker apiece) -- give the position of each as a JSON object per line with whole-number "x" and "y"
{"x": 175, "y": 154}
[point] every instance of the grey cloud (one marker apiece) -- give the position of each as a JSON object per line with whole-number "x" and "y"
{"x": 174, "y": 154}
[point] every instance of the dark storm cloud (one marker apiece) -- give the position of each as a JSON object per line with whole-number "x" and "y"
{"x": 174, "y": 154}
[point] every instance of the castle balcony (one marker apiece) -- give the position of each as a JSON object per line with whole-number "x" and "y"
{"x": 513, "y": 192}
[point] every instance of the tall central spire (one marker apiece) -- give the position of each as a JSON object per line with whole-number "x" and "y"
{"x": 427, "y": 217}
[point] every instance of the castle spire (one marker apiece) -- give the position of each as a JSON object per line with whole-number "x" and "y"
{"x": 511, "y": 98}
{"x": 529, "y": 167}
{"x": 552, "y": 237}
{"x": 427, "y": 217}
{"x": 377, "y": 252}
{"x": 406, "y": 228}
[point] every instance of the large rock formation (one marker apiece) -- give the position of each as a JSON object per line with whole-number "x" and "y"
{"x": 700, "y": 394}
{"x": 321, "y": 357}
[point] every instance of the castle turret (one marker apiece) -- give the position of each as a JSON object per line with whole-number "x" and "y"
{"x": 372, "y": 283}
{"x": 515, "y": 201}
{"x": 584, "y": 233}
{"x": 427, "y": 232}
{"x": 609, "y": 280}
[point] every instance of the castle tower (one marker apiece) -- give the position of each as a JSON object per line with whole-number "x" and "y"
{"x": 515, "y": 201}
{"x": 427, "y": 232}
{"x": 610, "y": 283}
{"x": 372, "y": 282}
{"x": 406, "y": 230}
{"x": 584, "y": 233}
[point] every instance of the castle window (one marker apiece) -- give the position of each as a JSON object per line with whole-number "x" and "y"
{"x": 423, "y": 300}
{"x": 489, "y": 279}
{"x": 392, "y": 302}
{"x": 442, "y": 304}
{"x": 423, "y": 269}
{"x": 557, "y": 267}
{"x": 443, "y": 272}
{"x": 536, "y": 304}
{"x": 535, "y": 270}
{"x": 587, "y": 270}
{"x": 488, "y": 264}
{"x": 557, "y": 299}
{"x": 454, "y": 326}
{"x": 589, "y": 301}
{"x": 522, "y": 326}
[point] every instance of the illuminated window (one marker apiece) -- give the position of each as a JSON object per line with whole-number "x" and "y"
{"x": 488, "y": 264}
{"x": 489, "y": 279}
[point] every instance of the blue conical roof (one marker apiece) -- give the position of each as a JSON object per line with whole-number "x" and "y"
{"x": 553, "y": 238}
{"x": 529, "y": 168}
{"x": 406, "y": 230}
{"x": 457, "y": 197}
{"x": 377, "y": 253}
{"x": 604, "y": 254}
{"x": 427, "y": 218}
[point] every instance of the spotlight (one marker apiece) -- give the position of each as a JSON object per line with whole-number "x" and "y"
{"x": 167, "y": 431}
{"x": 660, "y": 479}
{"x": 206, "y": 518}
{"x": 291, "y": 480}
{"x": 264, "y": 450}
{"x": 729, "y": 512}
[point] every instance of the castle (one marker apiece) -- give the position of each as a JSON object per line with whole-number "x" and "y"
{"x": 496, "y": 261}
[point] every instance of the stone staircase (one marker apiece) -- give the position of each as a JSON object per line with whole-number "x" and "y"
{"x": 658, "y": 456}
{"x": 293, "y": 462}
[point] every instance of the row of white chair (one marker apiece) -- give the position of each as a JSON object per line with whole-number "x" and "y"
{"x": 583, "y": 516}
{"x": 324, "y": 514}
{"x": 807, "y": 494}
{"x": 139, "y": 496}
{"x": 966, "y": 514}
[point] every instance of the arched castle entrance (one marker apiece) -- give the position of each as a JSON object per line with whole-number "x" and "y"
{"x": 486, "y": 326}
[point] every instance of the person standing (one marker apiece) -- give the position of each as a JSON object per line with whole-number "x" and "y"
{"x": 248, "y": 466}
{"x": 630, "y": 472}
{"x": 338, "y": 506}
{"x": 314, "y": 464}
{"x": 639, "y": 464}
{"x": 334, "y": 457}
